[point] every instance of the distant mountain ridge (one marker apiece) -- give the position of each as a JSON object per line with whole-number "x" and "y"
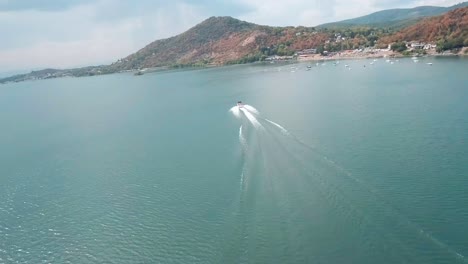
{"x": 394, "y": 18}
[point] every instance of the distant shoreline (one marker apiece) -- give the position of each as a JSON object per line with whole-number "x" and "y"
{"x": 346, "y": 55}
{"x": 376, "y": 55}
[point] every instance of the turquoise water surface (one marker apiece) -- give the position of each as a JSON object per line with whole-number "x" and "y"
{"x": 360, "y": 165}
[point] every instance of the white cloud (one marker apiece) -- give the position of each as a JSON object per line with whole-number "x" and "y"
{"x": 77, "y": 37}
{"x": 277, "y": 12}
{"x": 304, "y": 12}
{"x": 98, "y": 47}
{"x": 315, "y": 12}
{"x": 437, "y": 2}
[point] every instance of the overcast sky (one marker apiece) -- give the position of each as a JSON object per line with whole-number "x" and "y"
{"x": 70, "y": 33}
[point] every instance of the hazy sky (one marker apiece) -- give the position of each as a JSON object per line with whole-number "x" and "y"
{"x": 69, "y": 33}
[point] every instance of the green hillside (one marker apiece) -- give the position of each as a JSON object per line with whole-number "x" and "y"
{"x": 393, "y": 18}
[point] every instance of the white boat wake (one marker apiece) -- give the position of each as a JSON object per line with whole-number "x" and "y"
{"x": 282, "y": 171}
{"x": 286, "y": 132}
{"x": 251, "y": 109}
{"x": 235, "y": 111}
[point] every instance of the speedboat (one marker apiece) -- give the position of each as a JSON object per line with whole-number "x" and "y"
{"x": 240, "y": 104}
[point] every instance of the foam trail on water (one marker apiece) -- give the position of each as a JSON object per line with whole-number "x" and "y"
{"x": 242, "y": 180}
{"x": 286, "y": 132}
{"x": 441, "y": 244}
{"x": 251, "y": 118}
{"x": 235, "y": 111}
{"x": 242, "y": 138}
{"x": 244, "y": 148}
{"x": 252, "y": 114}
{"x": 251, "y": 109}
{"x": 376, "y": 194}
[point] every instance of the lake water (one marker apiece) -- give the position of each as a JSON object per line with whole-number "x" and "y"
{"x": 368, "y": 165}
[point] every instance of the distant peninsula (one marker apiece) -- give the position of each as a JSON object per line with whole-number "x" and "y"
{"x": 226, "y": 40}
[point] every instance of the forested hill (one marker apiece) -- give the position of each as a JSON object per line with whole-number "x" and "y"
{"x": 220, "y": 40}
{"x": 394, "y": 18}
{"x": 449, "y": 30}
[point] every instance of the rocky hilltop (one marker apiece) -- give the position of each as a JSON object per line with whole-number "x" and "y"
{"x": 221, "y": 40}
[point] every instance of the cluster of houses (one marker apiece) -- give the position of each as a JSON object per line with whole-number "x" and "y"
{"x": 415, "y": 45}
{"x": 307, "y": 51}
{"x": 339, "y": 38}
{"x": 412, "y": 45}
{"x": 279, "y": 58}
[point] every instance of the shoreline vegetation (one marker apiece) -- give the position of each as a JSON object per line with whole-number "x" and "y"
{"x": 219, "y": 41}
{"x": 344, "y": 55}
